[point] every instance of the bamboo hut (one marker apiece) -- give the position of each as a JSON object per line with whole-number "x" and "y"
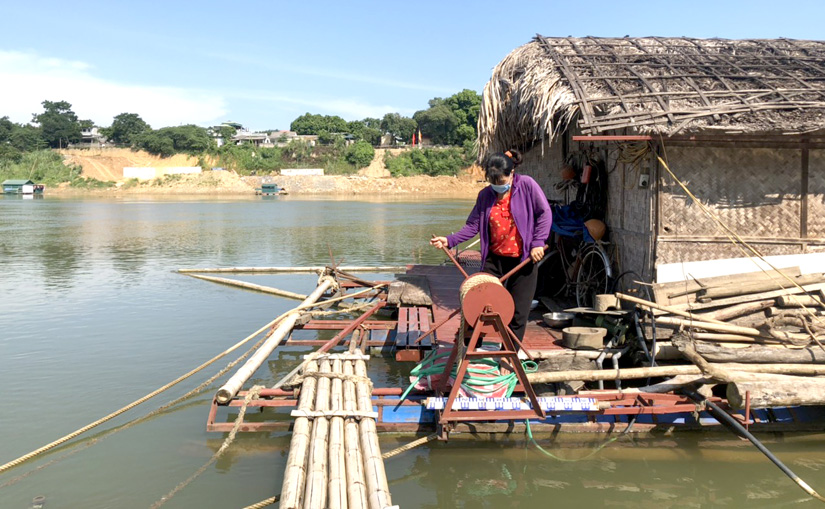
{"x": 741, "y": 122}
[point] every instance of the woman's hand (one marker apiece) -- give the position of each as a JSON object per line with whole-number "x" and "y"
{"x": 536, "y": 254}
{"x": 438, "y": 242}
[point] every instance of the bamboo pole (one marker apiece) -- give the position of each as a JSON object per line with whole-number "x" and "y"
{"x": 720, "y": 327}
{"x": 292, "y": 491}
{"x": 663, "y": 371}
{"x": 759, "y": 286}
{"x": 315, "y": 496}
{"x": 695, "y": 306}
{"x": 291, "y": 270}
{"x": 738, "y": 310}
{"x": 233, "y": 385}
{"x": 377, "y": 485}
{"x": 337, "y": 464}
{"x": 798, "y": 301}
{"x": 356, "y": 483}
{"x": 669, "y": 309}
{"x": 250, "y": 286}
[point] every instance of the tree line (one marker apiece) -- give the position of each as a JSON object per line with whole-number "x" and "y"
{"x": 447, "y": 121}
{"x": 450, "y": 121}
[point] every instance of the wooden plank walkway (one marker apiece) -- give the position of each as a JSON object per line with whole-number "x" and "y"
{"x": 444, "y": 281}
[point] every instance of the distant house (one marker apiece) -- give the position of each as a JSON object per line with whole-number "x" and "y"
{"x": 281, "y": 138}
{"x": 91, "y": 136}
{"x": 15, "y": 186}
{"x": 388, "y": 140}
{"x": 256, "y": 139}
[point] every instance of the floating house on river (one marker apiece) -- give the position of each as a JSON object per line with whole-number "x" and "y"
{"x": 21, "y": 186}
{"x": 741, "y": 123}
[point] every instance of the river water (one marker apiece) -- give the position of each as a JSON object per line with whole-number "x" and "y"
{"x": 93, "y": 316}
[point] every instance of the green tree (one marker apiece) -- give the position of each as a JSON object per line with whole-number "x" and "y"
{"x": 368, "y": 130}
{"x": 399, "y": 126}
{"x": 59, "y": 125}
{"x": 125, "y": 128}
{"x": 190, "y": 139}
{"x": 360, "y": 154}
{"x": 465, "y": 105}
{"x": 438, "y": 122}
{"x": 314, "y": 124}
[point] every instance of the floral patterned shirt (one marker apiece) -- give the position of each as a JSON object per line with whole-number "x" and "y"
{"x": 505, "y": 239}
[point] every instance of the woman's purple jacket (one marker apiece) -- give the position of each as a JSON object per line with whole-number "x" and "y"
{"x": 530, "y": 210}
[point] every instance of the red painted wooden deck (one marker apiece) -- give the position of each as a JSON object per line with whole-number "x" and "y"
{"x": 444, "y": 282}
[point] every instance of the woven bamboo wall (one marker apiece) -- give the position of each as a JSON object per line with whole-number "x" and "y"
{"x": 629, "y": 217}
{"x": 816, "y": 193}
{"x": 544, "y": 168}
{"x": 754, "y": 191}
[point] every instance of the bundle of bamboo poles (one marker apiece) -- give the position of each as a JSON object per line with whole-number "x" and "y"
{"x": 724, "y": 325}
{"x": 334, "y": 457}
{"x": 777, "y": 306}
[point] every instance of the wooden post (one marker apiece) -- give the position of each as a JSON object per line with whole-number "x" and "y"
{"x": 250, "y": 286}
{"x": 234, "y": 384}
{"x": 290, "y": 270}
{"x": 720, "y": 327}
{"x": 777, "y": 390}
{"x": 671, "y": 310}
{"x": 595, "y": 375}
{"x": 738, "y": 310}
{"x": 292, "y": 491}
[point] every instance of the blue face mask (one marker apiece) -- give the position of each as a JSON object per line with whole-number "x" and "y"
{"x": 500, "y": 189}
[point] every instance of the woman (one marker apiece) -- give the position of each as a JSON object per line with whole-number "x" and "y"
{"x": 513, "y": 219}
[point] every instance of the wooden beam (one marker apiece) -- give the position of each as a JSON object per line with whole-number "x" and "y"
{"x": 803, "y": 194}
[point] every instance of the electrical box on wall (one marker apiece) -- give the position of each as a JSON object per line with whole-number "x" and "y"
{"x": 644, "y": 181}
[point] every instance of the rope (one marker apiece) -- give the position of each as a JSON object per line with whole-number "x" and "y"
{"x": 334, "y": 287}
{"x": 171, "y": 384}
{"x": 162, "y": 408}
{"x": 386, "y": 455}
{"x": 135, "y": 403}
{"x": 476, "y": 280}
{"x": 253, "y": 393}
{"x": 264, "y": 503}
{"x": 411, "y": 445}
{"x": 352, "y": 309}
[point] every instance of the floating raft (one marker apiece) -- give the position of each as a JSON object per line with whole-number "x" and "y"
{"x": 334, "y": 457}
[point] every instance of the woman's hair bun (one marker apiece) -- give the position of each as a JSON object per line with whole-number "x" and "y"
{"x": 515, "y": 155}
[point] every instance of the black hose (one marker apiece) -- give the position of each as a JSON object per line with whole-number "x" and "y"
{"x": 734, "y": 425}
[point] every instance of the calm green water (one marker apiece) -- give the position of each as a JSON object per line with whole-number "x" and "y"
{"x": 92, "y": 317}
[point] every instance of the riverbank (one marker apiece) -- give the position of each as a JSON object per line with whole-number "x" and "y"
{"x": 107, "y": 165}
{"x": 227, "y": 183}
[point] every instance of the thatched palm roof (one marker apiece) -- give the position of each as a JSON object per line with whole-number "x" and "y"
{"x": 653, "y": 85}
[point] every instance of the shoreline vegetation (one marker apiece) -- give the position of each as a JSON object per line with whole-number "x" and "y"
{"x": 100, "y": 172}
{"x": 432, "y": 152}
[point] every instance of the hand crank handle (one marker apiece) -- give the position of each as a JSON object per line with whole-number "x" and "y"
{"x": 452, "y": 258}
{"x": 519, "y": 266}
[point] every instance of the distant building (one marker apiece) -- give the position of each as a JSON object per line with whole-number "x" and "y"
{"x": 256, "y": 139}
{"x": 91, "y": 136}
{"x": 13, "y": 186}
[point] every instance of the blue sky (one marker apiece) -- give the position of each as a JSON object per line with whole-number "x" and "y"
{"x": 265, "y": 63}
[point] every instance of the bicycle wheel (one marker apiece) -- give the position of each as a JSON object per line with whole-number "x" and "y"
{"x": 631, "y": 283}
{"x": 593, "y": 276}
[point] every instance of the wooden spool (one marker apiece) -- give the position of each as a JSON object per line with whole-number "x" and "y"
{"x": 482, "y": 291}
